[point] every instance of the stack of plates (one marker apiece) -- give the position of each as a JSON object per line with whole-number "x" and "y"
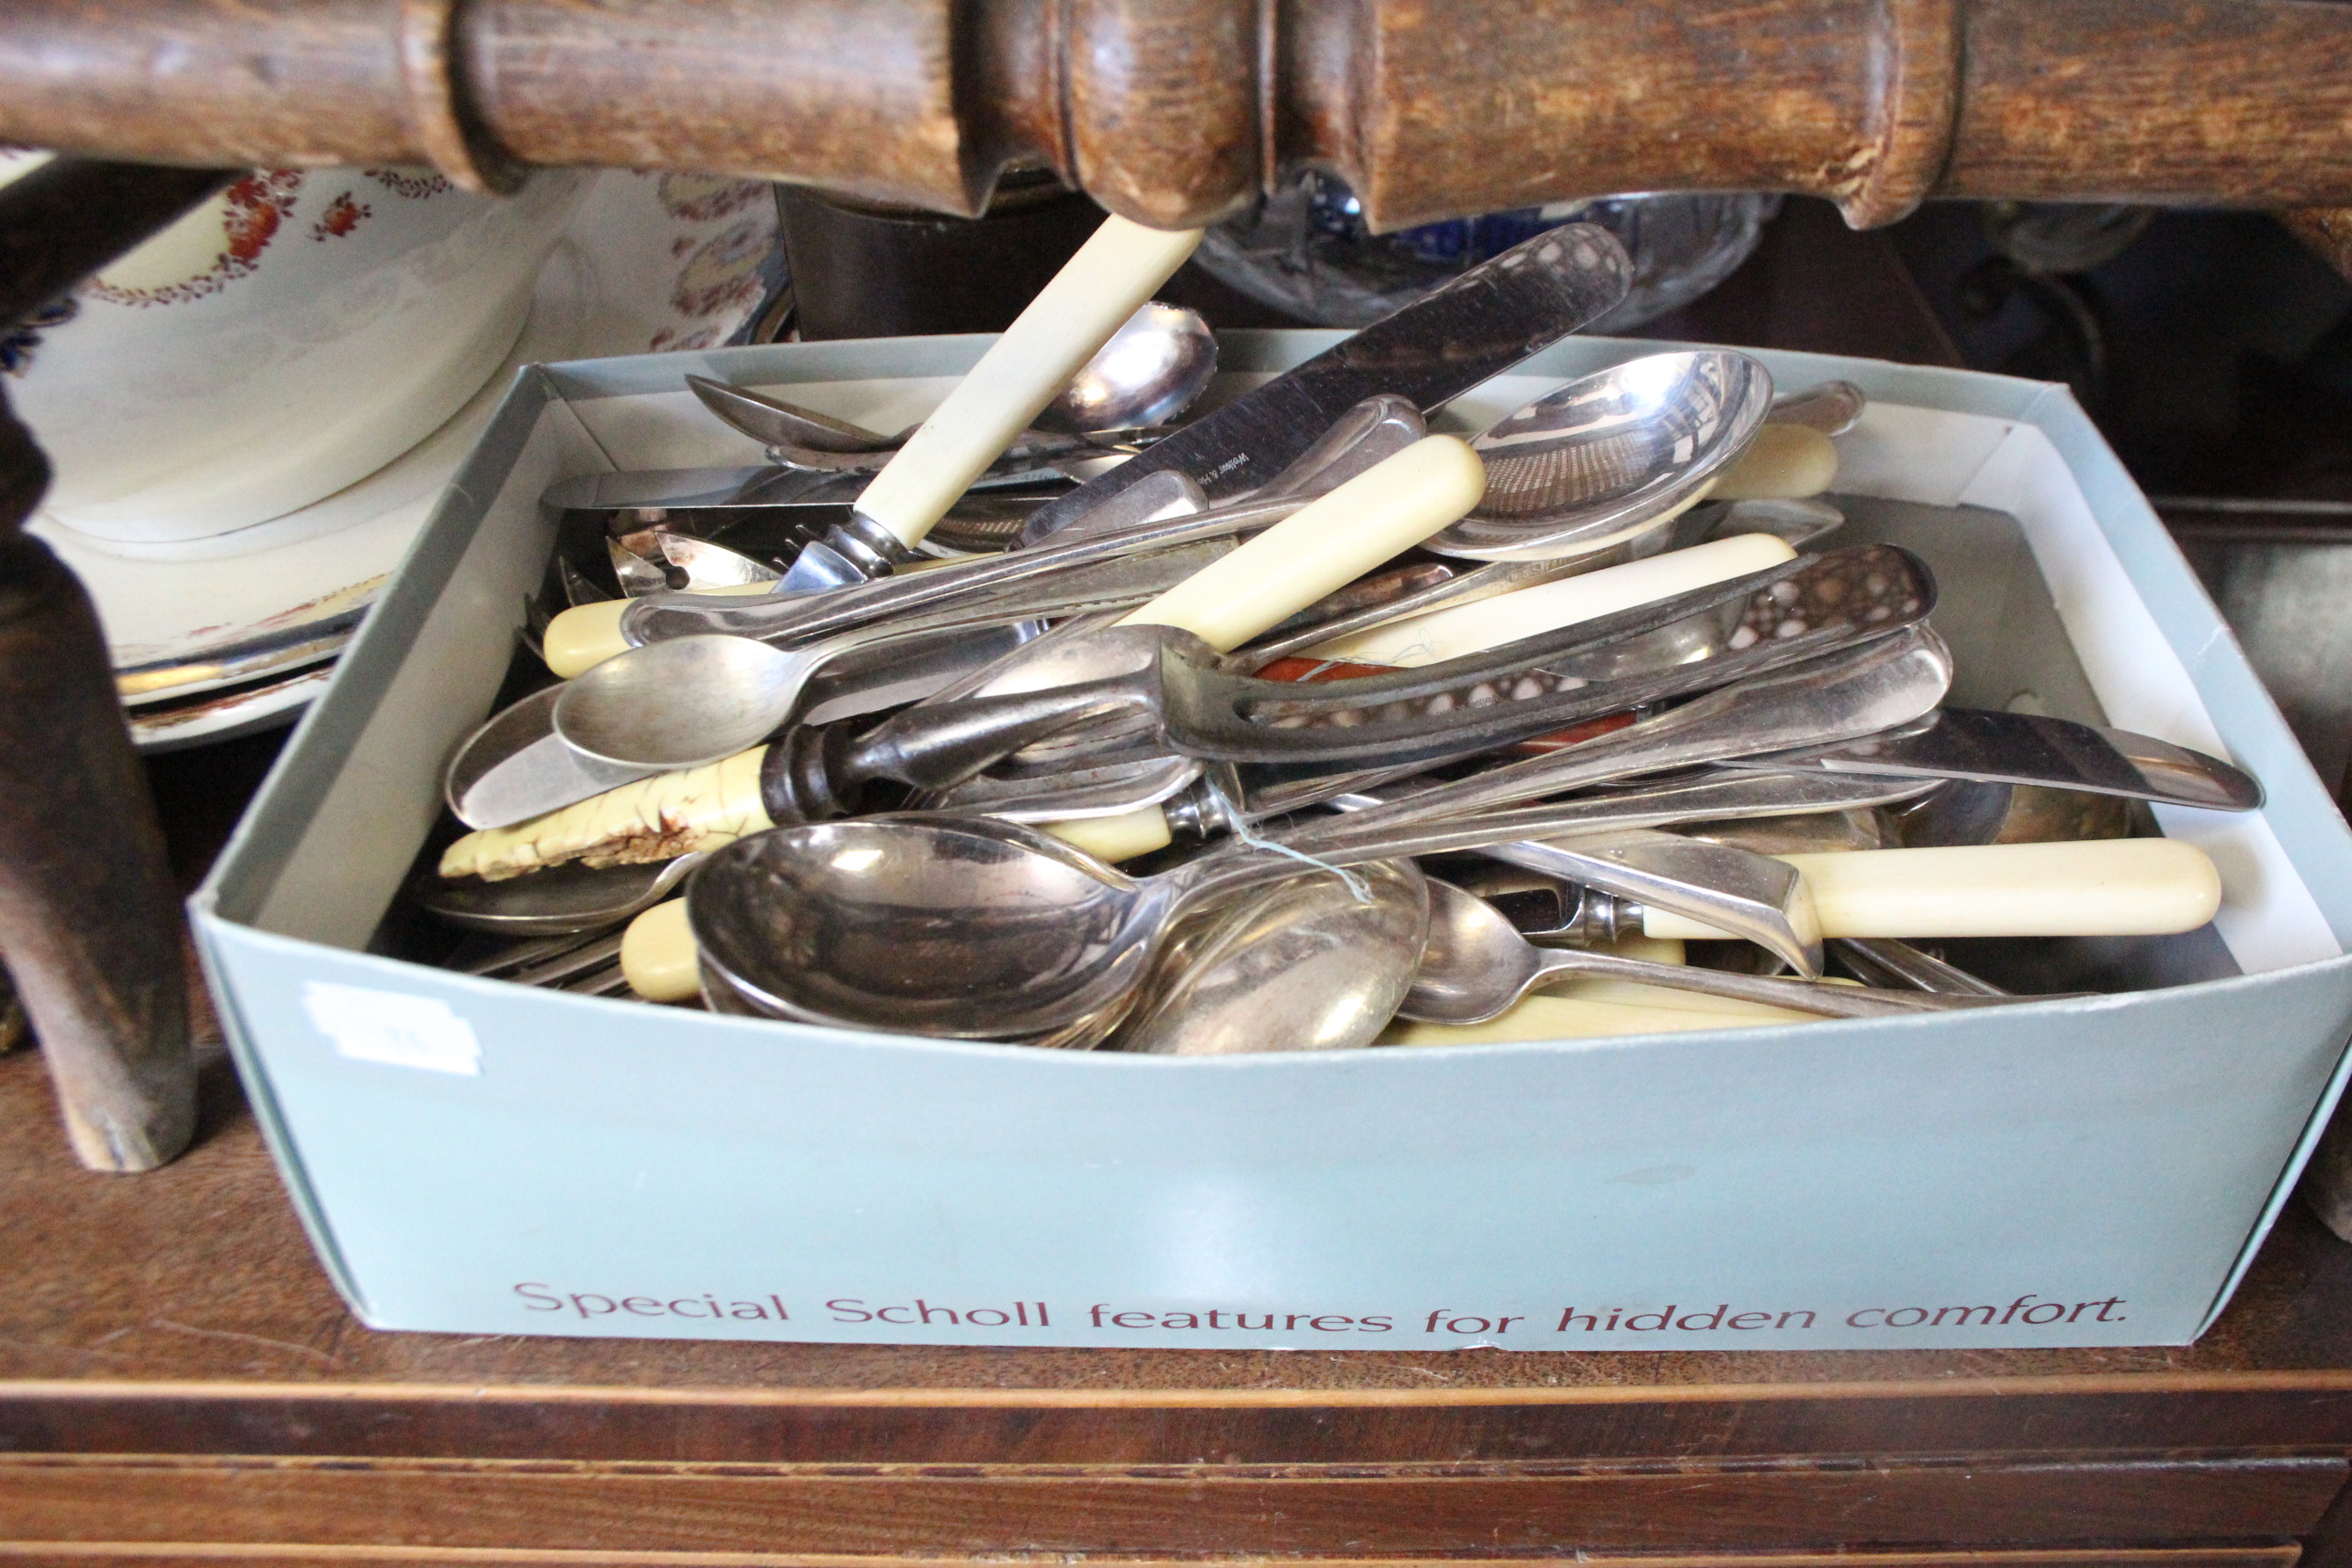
{"x": 206, "y": 647}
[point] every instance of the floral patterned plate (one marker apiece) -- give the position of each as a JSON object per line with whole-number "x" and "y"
{"x": 207, "y": 647}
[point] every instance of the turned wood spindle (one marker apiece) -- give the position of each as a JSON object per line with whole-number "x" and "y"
{"x": 1176, "y": 112}
{"x": 89, "y": 920}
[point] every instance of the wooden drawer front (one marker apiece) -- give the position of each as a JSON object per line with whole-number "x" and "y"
{"x": 2149, "y": 1415}
{"x": 183, "y": 1556}
{"x": 1375, "y": 1512}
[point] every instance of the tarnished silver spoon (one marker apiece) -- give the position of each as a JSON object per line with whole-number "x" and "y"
{"x": 1317, "y": 963}
{"x": 1150, "y": 371}
{"x": 1478, "y": 966}
{"x": 1610, "y": 451}
{"x": 972, "y": 927}
{"x": 559, "y": 901}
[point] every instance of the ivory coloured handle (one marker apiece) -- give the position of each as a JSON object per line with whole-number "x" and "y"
{"x": 1785, "y": 462}
{"x": 1326, "y": 544}
{"x": 1114, "y": 838}
{"x": 2113, "y": 887}
{"x": 1475, "y": 628}
{"x": 579, "y": 639}
{"x": 633, "y": 823}
{"x": 1116, "y": 271}
{"x": 583, "y": 637}
{"x": 657, "y": 955}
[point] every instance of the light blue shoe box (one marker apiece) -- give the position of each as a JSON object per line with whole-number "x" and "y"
{"x": 475, "y": 1157}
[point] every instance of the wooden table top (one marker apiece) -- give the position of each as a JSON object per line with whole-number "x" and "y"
{"x": 197, "y": 1279}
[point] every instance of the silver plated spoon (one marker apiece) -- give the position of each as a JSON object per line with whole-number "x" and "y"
{"x": 1610, "y": 451}
{"x": 558, "y": 901}
{"x": 1478, "y": 966}
{"x": 1151, "y": 370}
{"x": 1834, "y": 407}
{"x": 968, "y": 928}
{"x": 684, "y": 702}
{"x": 517, "y": 767}
{"x": 1315, "y": 963}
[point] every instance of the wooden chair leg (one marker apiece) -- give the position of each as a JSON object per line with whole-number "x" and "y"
{"x": 89, "y": 920}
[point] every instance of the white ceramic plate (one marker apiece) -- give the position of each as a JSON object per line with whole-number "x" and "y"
{"x": 650, "y": 262}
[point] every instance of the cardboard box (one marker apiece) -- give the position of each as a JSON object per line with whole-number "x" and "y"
{"x": 472, "y": 1156}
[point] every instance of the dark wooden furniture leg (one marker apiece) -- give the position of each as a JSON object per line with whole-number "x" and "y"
{"x": 90, "y": 924}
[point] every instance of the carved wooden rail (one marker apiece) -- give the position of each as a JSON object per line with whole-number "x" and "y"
{"x": 1176, "y": 111}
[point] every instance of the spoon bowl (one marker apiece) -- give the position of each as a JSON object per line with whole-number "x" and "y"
{"x": 1478, "y": 967}
{"x": 682, "y": 702}
{"x": 1971, "y": 810}
{"x": 1609, "y": 453}
{"x": 1311, "y": 964}
{"x": 561, "y": 901}
{"x": 1834, "y": 407}
{"x": 1148, "y": 374}
{"x": 966, "y": 927}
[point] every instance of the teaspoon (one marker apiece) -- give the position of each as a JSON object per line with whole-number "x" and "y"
{"x": 1478, "y": 966}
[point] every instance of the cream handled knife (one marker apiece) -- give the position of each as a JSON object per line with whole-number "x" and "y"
{"x": 2111, "y": 887}
{"x": 1116, "y": 271}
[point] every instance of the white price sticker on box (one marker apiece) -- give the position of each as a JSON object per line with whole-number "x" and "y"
{"x": 391, "y": 1027}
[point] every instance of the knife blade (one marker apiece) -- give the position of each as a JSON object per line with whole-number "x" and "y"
{"x": 1993, "y": 747}
{"x": 1431, "y": 351}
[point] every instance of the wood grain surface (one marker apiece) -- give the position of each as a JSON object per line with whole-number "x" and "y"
{"x": 187, "y": 1553}
{"x": 1178, "y": 112}
{"x": 1402, "y": 1510}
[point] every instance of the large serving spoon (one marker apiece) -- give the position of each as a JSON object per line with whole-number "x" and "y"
{"x": 965, "y": 928}
{"x": 1611, "y": 450}
{"x": 960, "y": 927}
{"x": 665, "y": 968}
{"x": 1623, "y": 452}
{"x": 1478, "y": 966}
{"x": 517, "y": 767}
{"x": 684, "y": 702}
